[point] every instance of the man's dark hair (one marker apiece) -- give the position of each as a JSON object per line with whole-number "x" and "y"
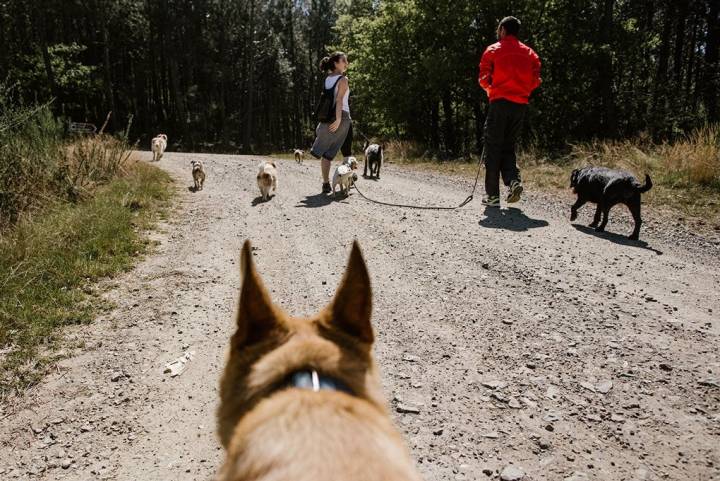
{"x": 511, "y": 25}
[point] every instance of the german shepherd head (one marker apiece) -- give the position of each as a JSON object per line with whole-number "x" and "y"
{"x": 274, "y": 428}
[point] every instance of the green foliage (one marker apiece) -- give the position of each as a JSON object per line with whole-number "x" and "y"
{"x": 49, "y": 262}
{"x": 40, "y": 167}
{"x": 242, "y": 75}
{"x": 610, "y": 69}
{"x": 30, "y": 146}
{"x": 73, "y": 79}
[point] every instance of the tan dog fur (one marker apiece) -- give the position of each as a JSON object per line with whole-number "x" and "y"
{"x": 198, "y": 173}
{"x": 267, "y": 179}
{"x": 158, "y": 145}
{"x": 299, "y": 156}
{"x": 273, "y": 432}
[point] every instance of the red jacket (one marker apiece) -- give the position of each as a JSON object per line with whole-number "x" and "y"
{"x": 509, "y": 70}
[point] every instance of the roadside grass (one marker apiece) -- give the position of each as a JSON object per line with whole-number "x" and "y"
{"x": 41, "y": 167}
{"x": 50, "y": 260}
{"x": 285, "y": 156}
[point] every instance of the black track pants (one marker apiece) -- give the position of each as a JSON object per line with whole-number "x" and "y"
{"x": 502, "y": 129}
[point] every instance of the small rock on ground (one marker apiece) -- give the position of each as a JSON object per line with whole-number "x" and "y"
{"x": 512, "y": 473}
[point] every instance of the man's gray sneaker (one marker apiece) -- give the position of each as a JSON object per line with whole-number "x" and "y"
{"x": 516, "y": 189}
{"x": 491, "y": 201}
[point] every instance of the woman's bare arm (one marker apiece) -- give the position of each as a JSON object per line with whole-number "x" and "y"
{"x": 342, "y": 88}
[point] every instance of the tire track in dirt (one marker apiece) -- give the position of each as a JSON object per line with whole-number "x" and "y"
{"x": 503, "y": 329}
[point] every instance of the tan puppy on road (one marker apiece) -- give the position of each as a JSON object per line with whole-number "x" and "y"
{"x": 267, "y": 179}
{"x": 299, "y": 156}
{"x": 198, "y": 173}
{"x": 158, "y": 145}
{"x": 300, "y": 399}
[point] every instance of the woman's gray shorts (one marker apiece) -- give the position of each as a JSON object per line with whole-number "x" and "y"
{"x": 327, "y": 144}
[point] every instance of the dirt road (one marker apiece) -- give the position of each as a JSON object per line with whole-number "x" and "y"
{"x": 522, "y": 340}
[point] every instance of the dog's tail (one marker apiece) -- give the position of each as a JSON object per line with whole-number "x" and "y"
{"x": 644, "y": 188}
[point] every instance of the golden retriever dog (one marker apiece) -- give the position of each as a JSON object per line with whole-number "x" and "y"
{"x": 299, "y": 156}
{"x": 158, "y": 145}
{"x": 300, "y": 398}
{"x": 198, "y": 173}
{"x": 267, "y": 179}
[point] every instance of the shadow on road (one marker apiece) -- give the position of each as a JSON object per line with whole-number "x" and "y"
{"x": 317, "y": 200}
{"x": 259, "y": 200}
{"x": 511, "y": 219}
{"x": 616, "y": 238}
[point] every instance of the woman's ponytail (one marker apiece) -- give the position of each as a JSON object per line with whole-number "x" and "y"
{"x": 325, "y": 65}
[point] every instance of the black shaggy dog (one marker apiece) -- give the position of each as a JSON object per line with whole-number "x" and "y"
{"x": 607, "y": 187}
{"x": 374, "y": 156}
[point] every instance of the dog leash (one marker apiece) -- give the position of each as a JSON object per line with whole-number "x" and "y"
{"x": 361, "y": 134}
{"x": 425, "y": 207}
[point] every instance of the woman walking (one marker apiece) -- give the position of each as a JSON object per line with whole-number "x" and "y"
{"x": 330, "y": 137}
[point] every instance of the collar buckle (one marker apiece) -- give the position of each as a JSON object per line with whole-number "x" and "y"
{"x": 311, "y": 380}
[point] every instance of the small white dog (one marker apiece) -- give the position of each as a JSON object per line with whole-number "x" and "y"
{"x": 299, "y": 156}
{"x": 158, "y": 146}
{"x": 267, "y": 179}
{"x": 344, "y": 175}
{"x": 198, "y": 173}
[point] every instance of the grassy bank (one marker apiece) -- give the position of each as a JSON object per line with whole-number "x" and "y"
{"x": 41, "y": 167}
{"x": 50, "y": 261}
{"x": 72, "y": 211}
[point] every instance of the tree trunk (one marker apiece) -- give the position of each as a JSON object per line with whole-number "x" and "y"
{"x": 691, "y": 57}
{"x": 109, "y": 93}
{"x": 45, "y": 51}
{"x": 297, "y": 119}
{"x": 711, "y": 83}
{"x": 679, "y": 42}
{"x": 225, "y": 77}
{"x": 449, "y": 123}
{"x": 605, "y": 71}
{"x": 659, "y": 96}
{"x": 435, "y": 126}
{"x": 175, "y": 95}
{"x": 479, "y": 127}
{"x": 250, "y": 85}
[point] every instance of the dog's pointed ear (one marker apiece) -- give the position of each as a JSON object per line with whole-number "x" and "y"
{"x": 352, "y": 306}
{"x": 256, "y": 316}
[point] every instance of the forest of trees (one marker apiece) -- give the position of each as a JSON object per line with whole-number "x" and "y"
{"x": 241, "y": 75}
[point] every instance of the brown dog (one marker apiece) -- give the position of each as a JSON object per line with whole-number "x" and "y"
{"x": 267, "y": 179}
{"x": 300, "y": 399}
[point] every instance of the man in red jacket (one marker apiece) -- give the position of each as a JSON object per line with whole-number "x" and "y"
{"x": 509, "y": 72}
